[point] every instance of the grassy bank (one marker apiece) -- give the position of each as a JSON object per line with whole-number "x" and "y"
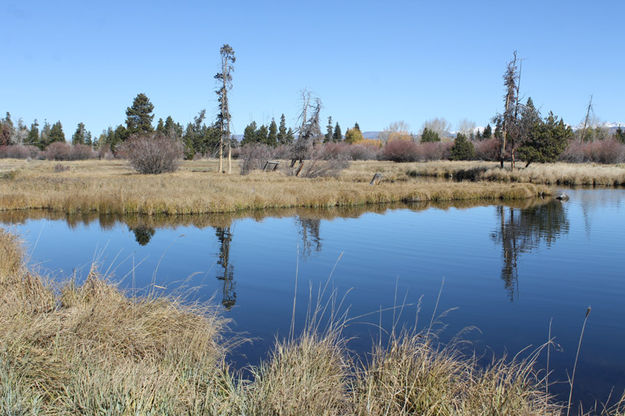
{"x": 569, "y": 174}
{"x": 90, "y": 349}
{"x": 112, "y": 187}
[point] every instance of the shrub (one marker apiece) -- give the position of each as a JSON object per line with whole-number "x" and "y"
{"x": 487, "y": 149}
{"x": 253, "y": 156}
{"x": 82, "y": 152}
{"x": 400, "y": 151}
{"x": 433, "y": 151}
{"x": 58, "y": 151}
{"x": 601, "y": 151}
{"x": 153, "y": 153}
{"x": 363, "y": 151}
{"x": 19, "y": 152}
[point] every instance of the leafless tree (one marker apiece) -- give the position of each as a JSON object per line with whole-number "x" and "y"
{"x": 223, "y": 118}
{"x": 396, "y": 130}
{"x": 309, "y": 132}
{"x": 466, "y": 127}
{"x": 438, "y": 125}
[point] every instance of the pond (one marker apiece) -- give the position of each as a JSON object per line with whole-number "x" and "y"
{"x": 507, "y": 270}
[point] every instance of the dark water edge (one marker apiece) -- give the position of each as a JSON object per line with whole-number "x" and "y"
{"x": 508, "y": 269}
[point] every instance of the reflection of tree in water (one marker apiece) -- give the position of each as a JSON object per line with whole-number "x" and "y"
{"x": 143, "y": 234}
{"x": 309, "y": 231}
{"x": 229, "y": 296}
{"x": 522, "y": 230}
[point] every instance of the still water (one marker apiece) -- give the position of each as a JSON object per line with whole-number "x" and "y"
{"x": 506, "y": 270}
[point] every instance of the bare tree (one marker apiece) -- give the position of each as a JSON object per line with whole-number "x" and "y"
{"x": 438, "y": 125}
{"x": 223, "y": 118}
{"x": 396, "y": 130}
{"x": 466, "y": 127}
{"x": 309, "y": 132}
{"x": 509, "y": 120}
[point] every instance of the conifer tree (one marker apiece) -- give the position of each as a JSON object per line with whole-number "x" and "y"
{"x": 33, "y": 134}
{"x": 80, "y": 135}
{"x": 282, "y": 132}
{"x": 338, "y": 135}
{"x": 356, "y": 126}
{"x": 462, "y": 149}
{"x": 44, "y": 139}
{"x": 223, "y": 117}
{"x": 261, "y": 134}
{"x": 56, "y": 133}
{"x": 429, "y": 136}
{"x": 139, "y": 116}
{"x": 272, "y": 135}
{"x": 160, "y": 126}
{"x": 353, "y": 135}
{"x": 488, "y": 132}
{"x": 290, "y": 136}
{"x": 249, "y": 134}
{"x": 329, "y": 131}
{"x": 620, "y": 134}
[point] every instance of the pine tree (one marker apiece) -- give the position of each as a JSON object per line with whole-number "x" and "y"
{"x": 357, "y": 127}
{"x": 56, "y": 133}
{"x": 223, "y": 117}
{"x": 160, "y": 126}
{"x": 282, "y": 132}
{"x": 33, "y": 134}
{"x": 7, "y": 130}
{"x": 329, "y": 131}
{"x": 44, "y": 139}
{"x": 338, "y": 135}
{"x": 353, "y": 135}
{"x": 620, "y": 134}
{"x": 462, "y": 149}
{"x": 429, "y": 136}
{"x": 546, "y": 140}
{"x": 139, "y": 116}
{"x": 80, "y": 135}
{"x": 488, "y": 132}
{"x": 272, "y": 136}
{"x": 249, "y": 134}
{"x": 261, "y": 134}
{"x": 290, "y": 136}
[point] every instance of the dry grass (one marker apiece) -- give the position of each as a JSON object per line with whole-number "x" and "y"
{"x": 570, "y": 174}
{"x": 111, "y": 187}
{"x": 90, "y": 349}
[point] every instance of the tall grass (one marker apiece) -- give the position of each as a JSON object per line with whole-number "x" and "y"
{"x": 112, "y": 188}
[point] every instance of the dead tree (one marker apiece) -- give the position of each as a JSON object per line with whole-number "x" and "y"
{"x": 509, "y": 119}
{"x": 586, "y": 120}
{"x": 223, "y": 117}
{"x": 309, "y": 131}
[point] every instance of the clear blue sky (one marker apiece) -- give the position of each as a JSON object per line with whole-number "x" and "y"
{"x": 372, "y": 62}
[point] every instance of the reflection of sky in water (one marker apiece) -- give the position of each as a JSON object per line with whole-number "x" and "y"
{"x": 566, "y": 257}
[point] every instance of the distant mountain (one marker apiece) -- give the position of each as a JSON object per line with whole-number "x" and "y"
{"x": 371, "y": 134}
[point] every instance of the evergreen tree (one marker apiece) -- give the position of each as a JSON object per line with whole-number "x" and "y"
{"x": 261, "y": 134}
{"x": 329, "y": 131}
{"x": 290, "y": 136}
{"x": 172, "y": 129}
{"x": 282, "y": 132}
{"x": 160, "y": 126}
{"x": 249, "y": 134}
{"x": 80, "y": 135}
{"x": 44, "y": 139}
{"x": 33, "y": 134}
{"x": 272, "y": 136}
{"x": 478, "y": 135}
{"x": 429, "y": 136}
{"x": 7, "y": 130}
{"x": 357, "y": 127}
{"x": 488, "y": 132}
{"x": 338, "y": 135}
{"x": 462, "y": 149}
{"x": 546, "y": 141}
{"x": 139, "y": 116}
{"x": 56, "y": 133}
{"x": 88, "y": 140}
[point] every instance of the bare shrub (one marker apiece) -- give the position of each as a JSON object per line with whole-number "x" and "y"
{"x": 253, "y": 156}
{"x": 433, "y": 151}
{"x": 153, "y": 153}
{"x": 363, "y": 151}
{"x": 58, "y": 151}
{"x": 487, "y": 149}
{"x": 60, "y": 168}
{"x": 400, "y": 151}
{"x": 600, "y": 151}
{"x": 19, "y": 152}
{"x": 282, "y": 152}
{"x": 82, "y": 152}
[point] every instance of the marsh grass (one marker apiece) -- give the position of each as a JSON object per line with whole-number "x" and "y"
{"x": 91, "y": 349}
{"x": 111, "y": 187}
{"x": 570, "y": 174}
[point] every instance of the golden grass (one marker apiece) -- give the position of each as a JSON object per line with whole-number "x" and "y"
{"x": 110, "y": 187}
{"x": 90, "y": 349}
{"x": 570, "y": 174}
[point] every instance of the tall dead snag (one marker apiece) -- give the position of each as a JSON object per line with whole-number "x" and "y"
{"x": 309, "y": 131}
{"x": 223, "y": 117}
{"x": 508, "y": 120}
{"x": 582, "y": 138}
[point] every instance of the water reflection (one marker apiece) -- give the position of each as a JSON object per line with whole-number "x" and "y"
{"x": 143, "y": 234}
{"x": 308, "y": 229}
{"x": 524, "y": 229}
{"x": 228, "y": 296}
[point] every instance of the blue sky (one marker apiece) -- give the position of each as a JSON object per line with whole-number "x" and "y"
{"x": 370, "y": 62}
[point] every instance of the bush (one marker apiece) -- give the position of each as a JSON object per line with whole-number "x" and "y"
{"x": 601, "y": 151}
{"x": 433, "y": 151}
{"x": 65, "y": 151}
{"x": 400, "y": 151}
{"x": 153, "y": 153}
{"x": 253, "y": 156}
{"x": 487, "y": 149}
{"x": 19, "y": 152}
